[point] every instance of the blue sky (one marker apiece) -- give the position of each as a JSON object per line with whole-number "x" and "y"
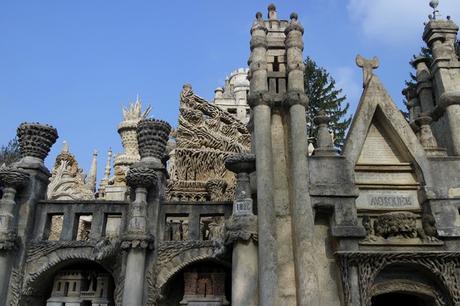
{"x": 73, "y": 64}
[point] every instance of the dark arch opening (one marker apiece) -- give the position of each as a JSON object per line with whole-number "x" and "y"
{"x": 401, "y": 299}
{"x": 203, "y": 275}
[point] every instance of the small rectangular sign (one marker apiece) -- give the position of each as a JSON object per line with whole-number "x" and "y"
{"x": 388, "y": 200}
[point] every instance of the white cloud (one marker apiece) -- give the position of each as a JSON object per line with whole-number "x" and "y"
{"x": 349, "y": 79}
{"x": 396, "y": 21}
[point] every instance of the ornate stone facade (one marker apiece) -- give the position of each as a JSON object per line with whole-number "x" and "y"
{"x": 67, "y": 180}
{"x": 205, "y": 222}
{"x": 205, "y": 137}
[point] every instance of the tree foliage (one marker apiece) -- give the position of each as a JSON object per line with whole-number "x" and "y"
{"x": 323, "y": 95}
{"x": 9, "y": 153}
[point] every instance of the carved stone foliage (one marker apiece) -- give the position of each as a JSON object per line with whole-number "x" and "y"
{"x": 36, "y": 139}
{"x": 206, "y": 136}
{"x": 441, "y": 266}
{"x": 67, "y": 180}
{"x": 398, "y": 227}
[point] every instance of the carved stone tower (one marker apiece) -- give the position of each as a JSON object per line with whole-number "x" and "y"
{"x": 285, "y": 217}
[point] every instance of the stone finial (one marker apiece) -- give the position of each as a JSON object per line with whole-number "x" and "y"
{"x": 241, "y": 163}
{"x": 36, "y": 140}
{"x": 368, "y": 66}
{"x": 294, "y": 24}
{"x": 141, "y": 177}
{"x": 13, "y": 177}
{"x": 272, "y": 15}
{"x": 259, "y": 23}
{"x": 324, "y": 142}
{"x": 152, "y": 137}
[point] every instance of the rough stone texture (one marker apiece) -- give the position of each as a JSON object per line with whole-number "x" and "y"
{"x": 152, "y": 136}
{"x": 205, "y": 138}
{"x": 35, "y": 139}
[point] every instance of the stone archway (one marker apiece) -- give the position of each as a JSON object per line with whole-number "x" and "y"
{"x": 408, "y": 285}
{"x": 402, "y": 299}
{"x": 32, "y": 283}
{"x": 70, "y": 276}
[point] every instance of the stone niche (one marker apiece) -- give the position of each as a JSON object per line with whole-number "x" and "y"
{"x": 204, "y": 288}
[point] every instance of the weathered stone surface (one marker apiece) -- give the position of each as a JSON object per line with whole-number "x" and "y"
{"x": 141, "y": 176}
{"x": 36, "y": 139}
{"x": 13, "y": 177}
{"x": 152, "y": 137}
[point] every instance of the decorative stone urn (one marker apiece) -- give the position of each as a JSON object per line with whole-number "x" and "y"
{"x": 152, "y": 137}
{"x": 36, "y": 140}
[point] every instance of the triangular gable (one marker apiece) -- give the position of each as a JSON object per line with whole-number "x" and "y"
{"x": 379, "y": 146}
{"x": 377, "y": 114}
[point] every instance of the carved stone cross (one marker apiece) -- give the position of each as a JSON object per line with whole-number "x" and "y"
{"x": 368, "y": 66}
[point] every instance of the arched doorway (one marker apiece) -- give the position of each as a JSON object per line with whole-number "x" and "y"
{"x": 401, "y": 299}
{"x": 76, "y": 282}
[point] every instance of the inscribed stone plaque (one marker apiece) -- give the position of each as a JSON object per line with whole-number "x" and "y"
{"x": 387, "y": 200}
{"x": 243, "y": 207}
{"x": 204, "y": 304}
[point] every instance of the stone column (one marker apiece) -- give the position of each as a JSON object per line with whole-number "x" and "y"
{"x": 302, "y": 212}
{"x": 144, "y": 178}
{"x": 413, "y": 106}
{"x": 424, "y": 83}
{"x": 137, "y": 240}
{"x": 35, "y": 142}
{"x": 241, "y": 231}
{"x": 260, "y": 104}
{"x": 441, "y": 36}
{"x": 11, "y": 180}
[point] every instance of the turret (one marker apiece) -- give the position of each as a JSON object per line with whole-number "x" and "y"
{"x": 441, "y": 36}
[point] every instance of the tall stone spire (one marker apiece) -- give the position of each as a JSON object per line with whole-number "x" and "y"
{"x": 92, "y": 175}
{"x": 105, "y": 180}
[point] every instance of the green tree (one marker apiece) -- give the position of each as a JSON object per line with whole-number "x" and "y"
{"x": 10, "y": 152}
{"x": 323, "y": 95}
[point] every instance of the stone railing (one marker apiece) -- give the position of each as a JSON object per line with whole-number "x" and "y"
{"x": 180, "y": 221}
{"x": 79, "y": 220}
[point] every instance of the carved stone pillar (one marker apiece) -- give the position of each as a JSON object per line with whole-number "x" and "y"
{"x": 414, "y": 108}
{"x": 424, "y": 83}
{"x": 260, "y": 103}
{"x": 324, "y": 143}
{"x": 35, "y": 142}
{"x": 11, "y": 180}
{"x": 301, "y": 208}
{"x": 144, "y": 177}
{"x": 137, "y": 239}
{"x": 441, "y": 36}
{"x": 241, "y": 231}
